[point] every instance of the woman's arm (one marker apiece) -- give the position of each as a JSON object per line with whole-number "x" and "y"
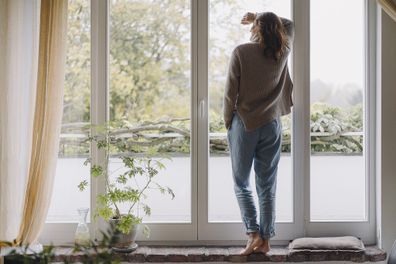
{"x": 289, "y": 28}
{"x": 249, "y": 18}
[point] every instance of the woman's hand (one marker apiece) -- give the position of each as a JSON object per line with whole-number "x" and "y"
{"x": 248, "y": 18}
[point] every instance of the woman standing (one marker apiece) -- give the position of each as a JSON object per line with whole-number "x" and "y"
{"x": 258, "y": 91}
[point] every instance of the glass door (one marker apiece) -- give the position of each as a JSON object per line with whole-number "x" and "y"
{"x": 337, "y": 112}
{"x": 150, "y": 95}
{"x": 225, "y": 33}
{"x": 339, "y": 120}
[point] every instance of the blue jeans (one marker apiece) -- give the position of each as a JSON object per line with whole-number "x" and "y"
{"x": 263, "y": 146}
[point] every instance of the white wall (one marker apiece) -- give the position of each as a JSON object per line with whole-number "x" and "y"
{"x": 386, "y": 129}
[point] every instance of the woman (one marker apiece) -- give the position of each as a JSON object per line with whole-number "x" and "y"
{"x": 258, "y": 91}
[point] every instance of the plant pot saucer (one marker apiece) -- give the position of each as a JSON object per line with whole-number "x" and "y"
{"x": 129, "y": 249}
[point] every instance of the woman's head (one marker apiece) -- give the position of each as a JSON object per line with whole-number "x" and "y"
{"x": 270, "y": 32}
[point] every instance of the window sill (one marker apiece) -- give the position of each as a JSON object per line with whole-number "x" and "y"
{"x": 231, "y": 254}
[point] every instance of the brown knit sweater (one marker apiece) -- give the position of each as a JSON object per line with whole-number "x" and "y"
{"x": 257, "y": 87}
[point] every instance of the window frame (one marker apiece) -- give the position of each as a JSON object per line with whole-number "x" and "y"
{"x": 200, "y": 230}
{"x": 231, "y": 231}
{"x": 366, "y": 230}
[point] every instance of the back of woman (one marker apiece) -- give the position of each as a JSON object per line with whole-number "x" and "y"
{"x": 258, "y": 84}
{"x": 258, "y": 91}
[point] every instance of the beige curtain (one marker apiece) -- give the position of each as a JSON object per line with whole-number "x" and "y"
{"x": 389, "y": 6}
{"x": 19, "y": 31}
{"x": 47, "y": 118}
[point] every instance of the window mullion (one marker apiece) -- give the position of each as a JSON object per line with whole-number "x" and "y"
{"x": 99, "y": 95}
{"x": 194, "y": 115}
{"x": 370, "y": 100}
{"x": 202, "y": 114}
{"x": 301, "y": 114}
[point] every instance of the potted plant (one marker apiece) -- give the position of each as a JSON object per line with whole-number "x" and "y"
{"x": 127, "y": 185}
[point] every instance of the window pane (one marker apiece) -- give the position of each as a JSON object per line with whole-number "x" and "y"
{"x": 73, "y": 150}
{"x": 225, "y": 33}
{"x": 150, "y": 92}
{"x": 338, "y": 180}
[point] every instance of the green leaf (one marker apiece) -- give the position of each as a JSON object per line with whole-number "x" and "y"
{"x": 122, "y": 179}
{"x": 160, "y": 165}
{"x": 105, "y": 212}
{"x": 82, "y": 185}
{"x": 146, "y": 209}
{"x": 152, "y": 172}
{"x": 129, "y": 162}
{"x": 87, "y": 161}
{"x": 127, "y": 194}
{"x": 127, "y": 221}
{"x": 96, "y": 170}
{"x": 102, "y": 199}
{"x": 102, "y": 144}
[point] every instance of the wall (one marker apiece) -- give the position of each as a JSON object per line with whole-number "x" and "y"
{"x": 386, "y": 129}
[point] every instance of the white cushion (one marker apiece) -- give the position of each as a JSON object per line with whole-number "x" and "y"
{"x": 345, "y": 243}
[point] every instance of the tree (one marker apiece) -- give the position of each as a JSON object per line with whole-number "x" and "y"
{"x": 149, "y": 59}
{"x": 78, "y": 72}
{"x": 150, "y": 63}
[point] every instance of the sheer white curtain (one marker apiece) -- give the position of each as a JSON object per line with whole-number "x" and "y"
{"x": 31, "y": 102}
{"x": 19, "y": 38}
{"x": 389, "y": 7}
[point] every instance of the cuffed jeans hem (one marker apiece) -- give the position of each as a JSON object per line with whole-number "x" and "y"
{"x": 267, "y": 236}
{"x": 252, "y": 230}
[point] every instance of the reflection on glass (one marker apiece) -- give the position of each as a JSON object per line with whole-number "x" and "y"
{"x": 338, "y": 181}
{"x": 226, "y": 32}
{"x": 150, "y": 92}
{"x": 73, "y": 150}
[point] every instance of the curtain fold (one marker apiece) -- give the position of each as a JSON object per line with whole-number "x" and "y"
{"x": 47, "y": 118}
{"x": 19, "y": 31}
{"x": 389, "y": 6}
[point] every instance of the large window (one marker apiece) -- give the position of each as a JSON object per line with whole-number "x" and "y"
{"x": 158, "y": 69}
{"x": 150, "y": 92}
{"x": 338, "y": 172}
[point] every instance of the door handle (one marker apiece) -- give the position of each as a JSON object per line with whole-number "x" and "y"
{"x": 202, "y": 108}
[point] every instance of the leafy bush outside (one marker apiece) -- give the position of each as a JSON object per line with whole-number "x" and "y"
{"x": 330, "y": 126}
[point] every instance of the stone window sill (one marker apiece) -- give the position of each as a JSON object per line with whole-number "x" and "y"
{"x": 231, "y": 254}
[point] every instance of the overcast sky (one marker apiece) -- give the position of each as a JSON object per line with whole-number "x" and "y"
{"x": 337, "y": 36}
{"x": 337, "y": 41}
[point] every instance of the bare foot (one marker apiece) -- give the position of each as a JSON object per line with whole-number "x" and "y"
{"x": 264, "y": 248}
{"x": 253, "y": 242}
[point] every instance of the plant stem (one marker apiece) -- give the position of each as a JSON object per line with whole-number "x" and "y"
{"x": 140, "y": 194}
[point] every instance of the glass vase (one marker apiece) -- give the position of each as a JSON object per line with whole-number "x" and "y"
{"x": 81, "y": 236}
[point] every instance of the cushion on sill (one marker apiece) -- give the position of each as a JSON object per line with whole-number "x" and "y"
{"x": 315, "y": 244}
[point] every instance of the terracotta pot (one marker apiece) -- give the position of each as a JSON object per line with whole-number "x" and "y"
{"x": 124, "y": 242}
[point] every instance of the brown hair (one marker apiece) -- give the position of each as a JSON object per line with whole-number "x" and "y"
{"x": 272, "y": 35}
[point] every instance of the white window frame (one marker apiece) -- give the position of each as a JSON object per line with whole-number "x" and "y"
{"x": 200, "y": 231}
{"x": 366, "y": 230}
